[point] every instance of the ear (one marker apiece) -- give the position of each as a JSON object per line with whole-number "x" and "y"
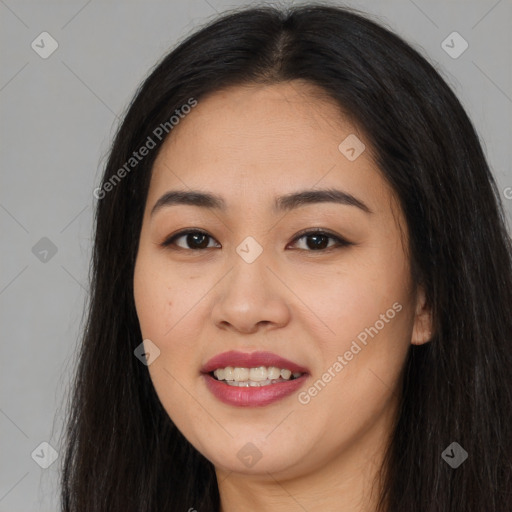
{"x": 422, "y": 329}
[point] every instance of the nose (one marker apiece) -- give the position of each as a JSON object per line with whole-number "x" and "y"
{"x": 251, "y": 297}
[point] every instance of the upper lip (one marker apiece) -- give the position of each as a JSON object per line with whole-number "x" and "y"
{"x": 250, "y": 360}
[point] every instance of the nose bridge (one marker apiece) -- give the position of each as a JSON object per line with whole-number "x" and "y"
{"x": 250, "y": 264}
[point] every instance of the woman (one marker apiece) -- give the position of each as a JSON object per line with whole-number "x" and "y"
{"x": 301, "y": 284}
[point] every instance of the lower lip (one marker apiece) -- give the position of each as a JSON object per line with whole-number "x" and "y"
{"x": 252, "y": 396}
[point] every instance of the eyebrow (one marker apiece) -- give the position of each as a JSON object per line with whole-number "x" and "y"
{"x": 282, "y": 203}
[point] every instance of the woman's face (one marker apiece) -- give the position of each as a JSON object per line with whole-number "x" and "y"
{"x": 346, "y": 314}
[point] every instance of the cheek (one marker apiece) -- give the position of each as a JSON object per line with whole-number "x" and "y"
{"x": 159, "y": 310}
{"x": 355, "y": 298}
{"x": 167, "y": 305}
{"x": 368, "y": 313}
{"x": 356, "y": 375}
{"x": 156, "y": 294}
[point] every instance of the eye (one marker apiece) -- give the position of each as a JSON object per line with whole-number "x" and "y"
{"x": 320, "y": 238}
{"x": 199, "y": 240}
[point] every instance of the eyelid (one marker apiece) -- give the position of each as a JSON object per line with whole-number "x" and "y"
{"x": 340, "y": 242}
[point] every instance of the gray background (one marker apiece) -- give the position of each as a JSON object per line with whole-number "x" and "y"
{"x": 58, "y": 118}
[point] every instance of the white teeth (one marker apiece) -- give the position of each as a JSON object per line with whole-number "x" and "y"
{"x": 273, "y": 373}
{"x": 240, "y": 374}
{"x": 286, "y": 374}
{"x": 258, "y": 374}
{"x": 254, "y": 376}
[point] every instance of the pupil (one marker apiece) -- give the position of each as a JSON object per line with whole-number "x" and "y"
{"x": 193, "y": 236}
{"x": 317, "y": 245}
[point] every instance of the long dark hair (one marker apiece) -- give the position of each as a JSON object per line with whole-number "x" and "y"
{"x": 122, "y": 451}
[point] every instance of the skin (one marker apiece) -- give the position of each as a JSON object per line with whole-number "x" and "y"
{"x": 250, "y": 144}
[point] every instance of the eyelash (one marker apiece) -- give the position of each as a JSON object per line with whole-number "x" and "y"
{"x": 340, "y": 242}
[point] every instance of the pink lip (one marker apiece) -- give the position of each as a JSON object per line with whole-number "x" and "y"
{"x": 252, "y": 396}
{"x": 252, "y": 360}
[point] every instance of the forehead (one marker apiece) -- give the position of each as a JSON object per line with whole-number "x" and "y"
{"x": 266, "y": 140}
